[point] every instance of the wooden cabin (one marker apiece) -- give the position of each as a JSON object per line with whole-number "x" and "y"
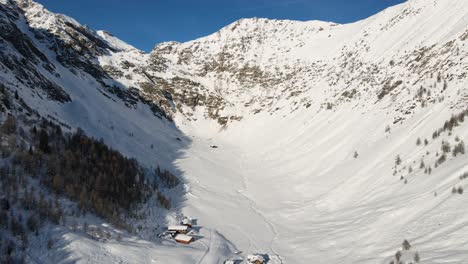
{"x": 183, "y": 239}
{"x": 178, "y": 229}
{"x": 255, "y": 259}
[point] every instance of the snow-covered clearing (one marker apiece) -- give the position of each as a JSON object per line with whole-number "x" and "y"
{"x": 293, "y": 189}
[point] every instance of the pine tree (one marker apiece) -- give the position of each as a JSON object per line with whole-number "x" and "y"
{"x": 44, "y": 141}
{"x": 83, "y": 200}
{"x": 398, "y": 256}
{"x": 33, "y": 223}
{"x": 397, "y": 160}
{"x": 9, "y": 126}
{"x": 58, "y": 183}
{"x": 406, "y": 245}
{"x": 24, "y": 241}
{"x": 416, "y": 257}
{"x": 50, "y": 243}
{"x": 445, "y": 147}
{"x": 459, "y": 149}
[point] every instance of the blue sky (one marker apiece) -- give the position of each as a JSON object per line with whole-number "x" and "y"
{"x": 144, "y": 23}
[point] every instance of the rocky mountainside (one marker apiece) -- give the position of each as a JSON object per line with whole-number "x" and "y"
{"x": 267, "y": 65}
{"x": 250, "y": 66}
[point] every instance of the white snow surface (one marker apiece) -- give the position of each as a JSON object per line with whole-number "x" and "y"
{"x": 286, "y": 184}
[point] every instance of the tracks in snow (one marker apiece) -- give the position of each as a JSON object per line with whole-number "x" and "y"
{"x": 260, "y": 214}
{"x": 240, "y": 196}
{"x": 207, "y": 247}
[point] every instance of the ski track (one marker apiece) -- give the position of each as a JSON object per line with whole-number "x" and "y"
{"x": 252, "y": 203}
{"x": 207, "y": 247}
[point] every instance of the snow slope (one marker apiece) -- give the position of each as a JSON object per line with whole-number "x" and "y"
{"x": 288, "y": 183}
{"x": 299, "y": 193}
{"x": 308, "y": 118}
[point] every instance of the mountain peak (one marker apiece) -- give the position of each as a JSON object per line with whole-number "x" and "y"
{"x": 25, "y": 3}
{"x": 252, "y": 24}
{"x": 40, "y": 17}
{"x": 114, "y": 41}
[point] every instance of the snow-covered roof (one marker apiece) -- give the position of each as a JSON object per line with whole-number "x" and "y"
{"x": 252, "y": 258}
{"x": 184, "y": 238}
{"x": 178, "y": 228}
{"x": 186, "y": 221}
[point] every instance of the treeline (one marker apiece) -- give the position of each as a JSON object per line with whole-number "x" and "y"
{"x": 166, "y": 178}
{"x": 36, "y": 153}
{"x": 101, "y": 180}
{"x": 86, "y": 170}
{"x": 23, "y": 210}
{"x": 454, "y": 121}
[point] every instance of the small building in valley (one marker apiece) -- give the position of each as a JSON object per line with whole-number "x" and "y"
{"x": 182, "y": 229}
{"x": 184, "y": 239}
{"x": 255, "y": 259}
{"x": 186, "y": 222}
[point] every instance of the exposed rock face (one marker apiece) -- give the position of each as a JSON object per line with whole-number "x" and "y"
{"x": 251, "y": 66}
{"x": 19, "y": 54}
{"x": 260, "y": 63}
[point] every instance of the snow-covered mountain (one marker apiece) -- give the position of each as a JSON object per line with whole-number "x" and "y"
{"x": 332, "y": 139}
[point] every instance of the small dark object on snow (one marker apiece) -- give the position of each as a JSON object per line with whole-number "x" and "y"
{"x": 178, "y": 139}
{"x": 214, "y": 146}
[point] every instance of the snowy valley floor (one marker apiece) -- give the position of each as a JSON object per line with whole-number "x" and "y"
{"x": 296, "y": 192}
{"x": 293, "y": 189}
